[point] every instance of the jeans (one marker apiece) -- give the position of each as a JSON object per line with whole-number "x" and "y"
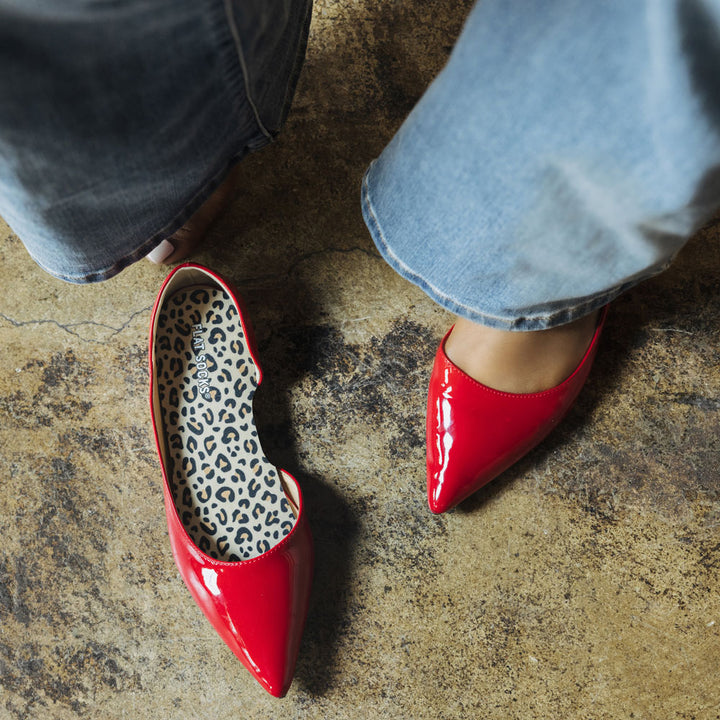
{"x": 118, "y": 120}
{"x": 565, "y": 153}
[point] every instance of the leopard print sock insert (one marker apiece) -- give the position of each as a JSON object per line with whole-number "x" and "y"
{"x": 229, "y": 497}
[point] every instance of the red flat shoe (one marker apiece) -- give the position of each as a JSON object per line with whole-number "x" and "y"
{"x": 474, "y": 433}
{"x": 237, "y": 526}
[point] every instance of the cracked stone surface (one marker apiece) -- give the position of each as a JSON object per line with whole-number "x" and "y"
{"x": 583, "y": 583}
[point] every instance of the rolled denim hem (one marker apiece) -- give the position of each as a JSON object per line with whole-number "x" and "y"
{"x": 522, "y": 322}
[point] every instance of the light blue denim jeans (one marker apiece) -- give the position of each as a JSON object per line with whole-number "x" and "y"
{"x": 119, "y": 119}
{"x": 566, "y": 152}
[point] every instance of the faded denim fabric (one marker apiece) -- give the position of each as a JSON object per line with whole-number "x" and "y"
{"x": 566, "y": 152}
{"x": 118, "y": 119}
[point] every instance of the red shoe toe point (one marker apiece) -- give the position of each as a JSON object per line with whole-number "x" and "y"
{"x": 439, "y": 499}
{"x": 276, "y": 683}
{"x": 436, "y": 507}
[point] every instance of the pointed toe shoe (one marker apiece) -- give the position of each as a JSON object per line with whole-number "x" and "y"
{"x": 236, "y": 523}
{"x": 474, "y": 433}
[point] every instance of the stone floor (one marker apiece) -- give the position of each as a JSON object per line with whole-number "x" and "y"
{"x": 581, "y": 584}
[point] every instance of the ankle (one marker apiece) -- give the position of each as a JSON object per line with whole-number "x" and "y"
{"x": 520, "y": 362}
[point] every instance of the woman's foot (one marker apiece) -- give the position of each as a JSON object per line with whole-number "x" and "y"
{"x": 520, "y": 362}
{"x": 185, "y": 241}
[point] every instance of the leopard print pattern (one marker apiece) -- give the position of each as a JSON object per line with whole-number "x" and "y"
{"x": 229, "y": 497}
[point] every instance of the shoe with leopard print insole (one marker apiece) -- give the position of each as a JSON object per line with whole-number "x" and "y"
{"x": 229, "y": 496}
{"x": 228, "y": 507}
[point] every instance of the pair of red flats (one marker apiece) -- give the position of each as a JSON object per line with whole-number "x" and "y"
{"x": 237, "y": 525}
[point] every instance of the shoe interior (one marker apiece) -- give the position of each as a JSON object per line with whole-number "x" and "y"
{"x": 229, "y": 497}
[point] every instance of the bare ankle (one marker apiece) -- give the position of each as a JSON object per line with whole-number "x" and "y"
{"x": 520, "y": 362}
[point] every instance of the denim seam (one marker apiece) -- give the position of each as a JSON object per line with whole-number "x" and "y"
{"x": 538, "y": 322}
{"x": 298, "y": 62}
{"x": 241, "y": 59}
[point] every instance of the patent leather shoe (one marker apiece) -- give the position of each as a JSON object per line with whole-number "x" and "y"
{"x": 237, "y": 525}
{"x": 474, "y": 432}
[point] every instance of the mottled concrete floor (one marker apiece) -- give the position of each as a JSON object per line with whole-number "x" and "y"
{"x": 582, "y": 584}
